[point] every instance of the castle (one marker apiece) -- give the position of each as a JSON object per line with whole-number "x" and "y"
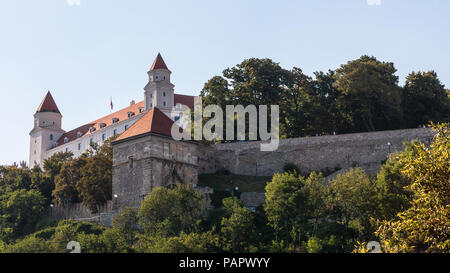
{"x": 160, "y": 102}
{"x": 145, "y": 155}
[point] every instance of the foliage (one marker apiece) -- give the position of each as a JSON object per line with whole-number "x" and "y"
{"x": 237, "y": 229}
{"x": 87, "y": 178}
{"x": 370, "y": 97}
{"x": 126, "y": 224}
{"x": 285, "y": 206}
{"x": 20, "y": 210}
{"x": 184, "y": 243}
{"x": 168, "y": 212}
{"x": 424, "y": 227}
{"x": 353, "y": 201}
{"x": 425, "y": 99}
{"x": 361, "y": 95}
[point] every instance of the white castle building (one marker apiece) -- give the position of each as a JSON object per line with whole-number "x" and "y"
{"x": 48, "y": 137}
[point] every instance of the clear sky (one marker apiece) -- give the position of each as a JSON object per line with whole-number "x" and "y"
{"x": 85, "y": 51}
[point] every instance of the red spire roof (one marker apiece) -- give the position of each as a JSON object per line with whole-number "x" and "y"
{"x": 159, "y": 63}
{"x": 154, "y": 121}
{"x": 48, "y": 104}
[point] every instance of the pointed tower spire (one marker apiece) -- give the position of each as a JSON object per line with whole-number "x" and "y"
{"x": 159, "y": 63}
{"x": 48, "y": 105}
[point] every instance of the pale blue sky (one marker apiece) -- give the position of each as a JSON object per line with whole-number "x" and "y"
{"x": 89, "y": 52}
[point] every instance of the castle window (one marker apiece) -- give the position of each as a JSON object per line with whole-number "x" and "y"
{"x": 104, "y": 137}
{"x": 151, "y": 105}
{"x": 176, "y": 118}
{"x": 156, "y": 77}
{"x": 66, "y": 139}
{"x": 91, "y": 140}
{"x": 164, "y": 103}
{"x": 67, "y": 149}
{"x": 164, "y": 94}
{"x": 126, "y": 127}
{"x": 51, "y": 137}
{"x": 130, "y": 162}
{"x": 79, "y": 146}
{"x": 115, "y": 132}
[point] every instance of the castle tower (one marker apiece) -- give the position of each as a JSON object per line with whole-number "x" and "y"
{"x": 47, "y": 130}
{"x": 159, "y": 89}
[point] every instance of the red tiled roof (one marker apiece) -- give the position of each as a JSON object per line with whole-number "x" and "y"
{"x": 154, "y": 121}
{"x": 121, "y": 115}
{"x": 159, "y": 63}
{"x": 48, "y": 104}
{"x": 185, "y": 100}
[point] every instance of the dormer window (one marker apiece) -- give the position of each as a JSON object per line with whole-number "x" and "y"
{"x": 130, "y": 114}
{"x": 102, "y": 125}
{"x": 92, "y": 129}
{"x": 66, "y": 139}
{"x": 79, "y": 134}
{"x": 141, "y": 109}
{"x": 115, "y": 120}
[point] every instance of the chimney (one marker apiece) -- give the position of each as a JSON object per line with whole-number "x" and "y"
{"x": 132, "y": 102}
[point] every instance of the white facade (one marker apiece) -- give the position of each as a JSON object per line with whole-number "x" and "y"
{"x": 80, "y": 145}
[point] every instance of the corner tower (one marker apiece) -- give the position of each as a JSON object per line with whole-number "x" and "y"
{"x": 159, "y": 89}
{"x": 47, "y": 130}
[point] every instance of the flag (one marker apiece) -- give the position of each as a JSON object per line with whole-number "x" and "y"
{"x": 111, "y": 104}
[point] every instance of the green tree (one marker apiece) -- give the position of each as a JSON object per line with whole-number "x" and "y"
{"x": 237, "y": 230}
{"x": 126, "y": 224}
{"x": 13, "y": 178}
{"x": 53, "y": 164}
{"x": 285, "y": 207}
{"x": 424, "y": 227}
{"x": 30, "y": 244}
{"x": 168, "y": 212}
{"x": 353, "y": 198}
{"x": 95, "y": 183}
{"x": 425, "y": 99}
{"x": 20, "y": 211}
{"x": 206, "y": 242}
{"x": 393, "y": 195}
{"x": 371, "y": 97}
{"x": 66, "y": 181}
